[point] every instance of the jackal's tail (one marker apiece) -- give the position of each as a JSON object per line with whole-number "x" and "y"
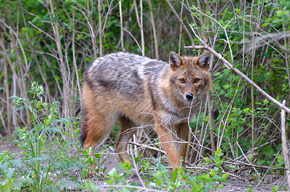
{"x": 83, "y": 130}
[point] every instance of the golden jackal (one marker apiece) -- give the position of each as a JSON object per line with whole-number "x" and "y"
{"x": 138, "y": 91}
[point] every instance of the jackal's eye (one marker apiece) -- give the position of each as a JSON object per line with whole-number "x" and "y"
{"x": 196, "y": 80}
{"x": 181, "y": 80}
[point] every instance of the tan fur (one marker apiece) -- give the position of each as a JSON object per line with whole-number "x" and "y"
{"x": 139, "y": 92}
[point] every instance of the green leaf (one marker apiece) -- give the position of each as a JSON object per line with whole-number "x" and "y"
{"x": 239, "y": 129}
{"x": 98, "y": 155}
{"x": 218, "y": 152}
{"x": 110, "y": 181}
{"x": 174, "y": 175}
{"x": 226, "y": 175}
{"x": 213, "y": 172}
{"x": 113, "y": 172}
{"x": 281, "y": 13}
{"x": 226, "y": 86}
{"x": 266, "y": 101}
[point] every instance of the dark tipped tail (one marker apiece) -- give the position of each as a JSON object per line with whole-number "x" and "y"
{"x": 82, "y": 139}
{"x": 83, "y": 129}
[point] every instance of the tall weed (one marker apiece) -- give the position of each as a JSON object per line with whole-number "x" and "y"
{"x": 47, "y": 155}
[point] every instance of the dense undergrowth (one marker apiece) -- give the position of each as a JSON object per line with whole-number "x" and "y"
{"x": 52, "y": 42}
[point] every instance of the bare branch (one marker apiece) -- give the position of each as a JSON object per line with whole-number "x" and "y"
{"x": 284, "y": 145}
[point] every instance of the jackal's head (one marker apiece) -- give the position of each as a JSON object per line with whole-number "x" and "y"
{"x": 189, "y": 75}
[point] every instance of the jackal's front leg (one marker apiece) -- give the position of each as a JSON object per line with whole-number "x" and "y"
{"x": 181, "y": 131}
{"x": 167, "y": 142}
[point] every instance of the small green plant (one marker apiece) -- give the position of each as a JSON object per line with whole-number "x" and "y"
{"x": 160, "y": 177}
{"x": 275, "y": 188}
{"x": 127, "y": 167}
{"x": 250, "y": 189}
{"x": 46, "y": 163}
{"x": 188, "y": 180}
{"x": 6, "y": 171}
{"x": 115, "y": 177}
{"x": 94, "y": 160}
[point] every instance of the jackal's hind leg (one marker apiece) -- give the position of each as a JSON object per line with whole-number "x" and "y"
{"x": 98, "y": 126}
{"x": 127, "y": 130}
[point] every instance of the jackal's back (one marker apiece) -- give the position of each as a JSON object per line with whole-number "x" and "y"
{"x": 123, "y": 72}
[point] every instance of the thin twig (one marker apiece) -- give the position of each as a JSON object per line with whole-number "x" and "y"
{"x": 91, "y": 25}
{"x": 154, "y": 30}
{"x": 261, "y": 180}
{"x": 66, "y": 95}
{"x": 121, "y": 23}
{"x": 100, "y": 26}
{"x": 148, "y": 147}
{"x": 247, "y": 158}
{"x": 136, "y": 168}
{"x": 284, "y": 145}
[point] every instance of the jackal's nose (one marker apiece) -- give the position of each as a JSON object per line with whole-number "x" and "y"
{"x": 189, "y": 96}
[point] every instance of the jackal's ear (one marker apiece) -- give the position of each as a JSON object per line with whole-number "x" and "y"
{"x": 175, "y": 60}
{"x": 203, "y": 60}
